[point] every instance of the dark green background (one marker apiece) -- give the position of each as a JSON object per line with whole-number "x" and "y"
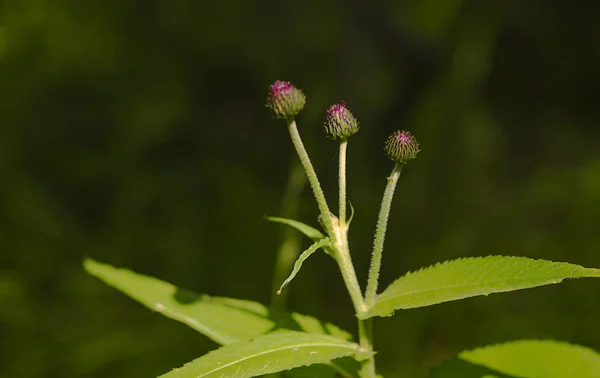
{"x": 135, "y": 132}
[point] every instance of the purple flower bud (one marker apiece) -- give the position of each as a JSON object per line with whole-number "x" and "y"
{"x": 401, "y": 146}
{"x": 285, "y": 100}
{"x": 340, "y": 123}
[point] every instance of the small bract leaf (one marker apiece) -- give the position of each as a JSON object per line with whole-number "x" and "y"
{"x": 537, "y": 358}
{"x": 470, "y": 277}
{"x": 298, "y": 264}
{"x": 277, "y": 351}
{"x": 307, "y": 230}
{"x": 224, "y": 320}
{"x": 351, "y": 214}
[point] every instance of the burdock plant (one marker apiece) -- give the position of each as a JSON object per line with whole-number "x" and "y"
{"x": 257, "y": 340}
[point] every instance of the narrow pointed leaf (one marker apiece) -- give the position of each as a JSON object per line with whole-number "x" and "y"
{"x": 298, "y": 264}
{"x": 224, "y": 320}
{"x": 351, "y": 214}
{"x": 307, "y": 230}
{"x": 277, "y": 351}
{"x": 525, "y": 358}
{"x": 470, "y": 277}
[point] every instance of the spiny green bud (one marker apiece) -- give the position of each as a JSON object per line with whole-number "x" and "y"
{"x": 340, "y": 123}
{"x": 401, "y": 146}
{"x": 285, "y": 100}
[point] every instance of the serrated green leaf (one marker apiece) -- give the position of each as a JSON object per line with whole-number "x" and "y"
{"x": 470, "y": 277}
{"x": 277, "y": 351}
{"x": 537, "y": 358}
{"x": 298, "y": 264}
{"x": 346, "y": 367}
{"x": 307, "y": 230}
{"x": 224, "y": 320}
{"x": 312, "y": 371}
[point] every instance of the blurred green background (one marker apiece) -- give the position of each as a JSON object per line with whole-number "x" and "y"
{"x": 135, "y": 132}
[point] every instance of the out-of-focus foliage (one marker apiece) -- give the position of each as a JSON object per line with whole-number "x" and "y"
{"x": 135, "y": 132}
{"x": 523, "y": 358}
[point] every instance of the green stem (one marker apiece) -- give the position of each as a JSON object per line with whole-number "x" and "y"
{"x": 311, "y": 175}
{"x": 346, "y": 266}
{"x": 384, "y": 213}
{"x": 337, "y": 233}
{"x": 366, "y": 343}
{"x": 342, "y": 256}
{"x": 342, "y": 183}
{"x": 340, "y": 247}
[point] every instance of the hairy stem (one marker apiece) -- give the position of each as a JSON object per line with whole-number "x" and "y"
{"x": 342, "y": 184}
{"x": 340, "y": 245}
{"x": 345, "y": 261}
{"x": 311, "y": 175}
{"x": 342, "y": 256}
{"x": 366, "y": 343}
{"x": 384, "y": 213}
{"x": 337, "y": 232}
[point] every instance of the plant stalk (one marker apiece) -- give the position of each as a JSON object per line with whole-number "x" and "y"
{"x": 366, "y": 342}
{"x": 364, "y": 334}
{"x": 342, "y": 183}
{"x": 384, "y": 213}
{"x": 339, "y": 237}
{"x": 311, "y": 175}
{"x": 342, "y": 256}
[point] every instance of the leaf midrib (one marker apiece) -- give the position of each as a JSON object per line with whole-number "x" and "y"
{"x": 351, "y": 348}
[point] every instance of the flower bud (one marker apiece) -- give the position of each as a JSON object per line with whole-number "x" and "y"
{"x": 401, "y": 146}
{"x": 340, "y": 123}
{"x": 285, "y": 100}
